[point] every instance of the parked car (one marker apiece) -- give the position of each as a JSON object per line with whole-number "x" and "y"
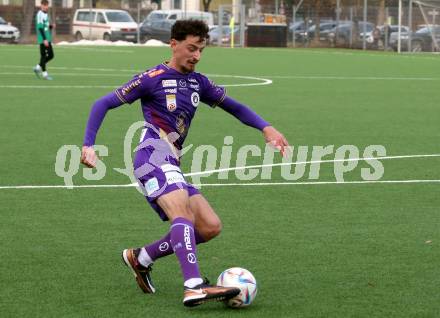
{"x": 8, "y": 32}
{"x": 391, "y": 29}
{"x": 340, "y": 35}
{"x": 309, "y": 34}
{"x": 157, "y": 30}
{"x": 214, "y": 35}
{"x": 421, "y": 40}
{"x": 296, "y": 29}
{"x": 157, "y": 25}
{"x": 109, "y": 25}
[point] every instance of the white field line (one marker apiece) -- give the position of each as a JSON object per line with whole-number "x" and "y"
{"x": 29, "y": 67}
{"x": 355, "y": 53}
{"x": 256, "y": 183}
{"x": 130, "y": 185}
{"x": 266, "y": 79}
{"x": 356, "y": 78}
{"x": 67, "y": 74}
{"x": 308, "y": 162}
{"x": 260, "y": 81}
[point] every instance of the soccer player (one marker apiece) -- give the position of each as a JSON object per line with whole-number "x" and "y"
{"x": 170, "y": 94}
{"x": 44, "y": 38}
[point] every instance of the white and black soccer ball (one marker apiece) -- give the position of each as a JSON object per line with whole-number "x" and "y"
{"x": 240, "y": 278}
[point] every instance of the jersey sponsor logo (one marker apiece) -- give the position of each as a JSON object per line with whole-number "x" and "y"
{"x": 192, "y": 80}
{"x": 195, "y": 87}
{"x": 174, "y": 177}
{"x": 151, "y": 185}
{"x": 155, "y": 73}
{"x": 128, "y": 88}
{"x": 195, "y": 99}
{"x": 171, "y": 102}
{"x": 169, "y": 83}
{"x": 182, "y": 83}
{"x": 171, "y": 90}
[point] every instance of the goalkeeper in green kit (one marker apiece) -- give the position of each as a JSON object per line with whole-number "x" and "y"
{"x": 44, "y": 37}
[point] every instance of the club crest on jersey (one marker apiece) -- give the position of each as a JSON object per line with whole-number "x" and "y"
{"x": 182, "y": 83}
{"x": 195, "y": 99}
{"x": 169, "y": 83}
{"x": 171, "y": 102}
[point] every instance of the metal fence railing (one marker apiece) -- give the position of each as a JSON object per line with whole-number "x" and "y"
{"x": 298, "y": 23}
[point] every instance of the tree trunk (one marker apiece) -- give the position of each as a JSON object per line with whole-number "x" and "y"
{"x": 317, "y": 21}
{"x": 28, "y": 18}
{"x": 381, "y": 13}
{"x": 206, "y": 4}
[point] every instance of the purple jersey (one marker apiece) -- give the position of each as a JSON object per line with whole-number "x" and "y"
{"x": 169, "y": 99}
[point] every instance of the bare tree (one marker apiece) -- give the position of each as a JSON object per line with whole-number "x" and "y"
{"x": 206, "y": 4}
{"x": 381, "y": 13}
{"x": 28, "y": 18}
{"x": 132, "y": 4}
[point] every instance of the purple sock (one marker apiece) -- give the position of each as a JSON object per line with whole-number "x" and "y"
{"x": 184, "y": 245}
{"x": 163, "y": 248}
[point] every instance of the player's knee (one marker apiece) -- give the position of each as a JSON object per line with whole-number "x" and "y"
{"x": 213, "y": 230}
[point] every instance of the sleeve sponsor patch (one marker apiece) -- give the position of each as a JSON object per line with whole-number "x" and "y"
{"x": 155, "y": 73}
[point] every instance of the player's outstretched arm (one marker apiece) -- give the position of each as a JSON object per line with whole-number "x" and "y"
{"x": 97, "y": 114}
{"x": 248, "y": 117}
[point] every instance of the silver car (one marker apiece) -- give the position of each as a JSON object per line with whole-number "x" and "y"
{"x": 8, "y": 32}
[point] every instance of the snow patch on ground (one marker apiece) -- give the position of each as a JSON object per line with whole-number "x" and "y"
{"x": 109, "y": 43}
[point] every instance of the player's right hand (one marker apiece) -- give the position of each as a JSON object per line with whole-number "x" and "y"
{"x": 88, "y": 156}
{"x": 46, "y": 43}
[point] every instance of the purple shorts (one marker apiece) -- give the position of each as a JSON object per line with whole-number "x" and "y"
{"x": 157, "y": 177}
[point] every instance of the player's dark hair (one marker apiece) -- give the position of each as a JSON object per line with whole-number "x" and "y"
{"x": 45, "y": 2}
{"x": 182, "y": 28}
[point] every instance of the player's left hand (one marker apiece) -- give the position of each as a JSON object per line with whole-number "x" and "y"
{"x": 88, "y": 156}
{"x": 276, "y": 139}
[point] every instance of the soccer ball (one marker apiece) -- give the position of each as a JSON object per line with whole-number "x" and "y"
{"x": 240, "y": 278}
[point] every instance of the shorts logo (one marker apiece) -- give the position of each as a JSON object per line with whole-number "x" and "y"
{"x": 163, "y": 247}
{"x": 174, "y": 177}
{"x": 155, "y": 73}
{"x": 195, "y": 99}
{"x": 171, "y": 102}
{"x": 151, "y": 185}
{"x": 192, "y": 258}
{"x": 182, "y": 83}
{"x": 169, "y": 83}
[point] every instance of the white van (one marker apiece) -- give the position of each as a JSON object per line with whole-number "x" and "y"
{"x": 105, "y": 24}
{"x": 174, "y": 15}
